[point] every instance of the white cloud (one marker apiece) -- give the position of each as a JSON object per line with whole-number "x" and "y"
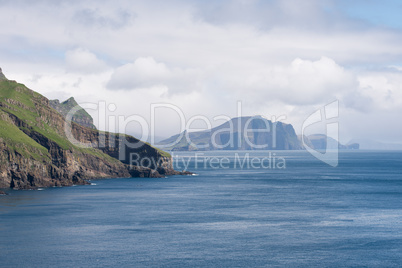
{"x": 384, "y": 88}
{"x": 83, "y": 61}
{"x": 145, "y": 72}
{"x": 310, "y": 82}
{"x": 301, "y": 82}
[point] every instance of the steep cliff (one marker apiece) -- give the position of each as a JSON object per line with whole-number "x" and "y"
{"x": 35, "y": 150}
{"x": 242, "y": 133}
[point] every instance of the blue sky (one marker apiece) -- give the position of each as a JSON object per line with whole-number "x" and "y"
{"x": 385, "y": 13}
{"x": 286, "y": 57}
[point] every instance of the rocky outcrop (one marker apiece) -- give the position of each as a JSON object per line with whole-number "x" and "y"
{"x": 242, "y": 133}
{"x": 35, "y": 150}
{"x": 80, "y": 116}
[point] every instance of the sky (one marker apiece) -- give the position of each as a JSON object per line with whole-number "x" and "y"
{"x": 198, "y": 60}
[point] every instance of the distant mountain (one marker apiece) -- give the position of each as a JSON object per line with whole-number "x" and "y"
{"x": 80, "y": 117}
{"x": 242, "y": 133}
{"x": 319, "y": 142}
{"x": 250, "y": 133}
{"x": 367, "y": 144}
{"x": 35, "y": 151}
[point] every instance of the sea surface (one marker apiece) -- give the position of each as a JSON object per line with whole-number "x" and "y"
{"x": 301, "y": 214}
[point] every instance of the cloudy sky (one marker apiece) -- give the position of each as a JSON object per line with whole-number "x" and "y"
{"x": 279, "y": 58}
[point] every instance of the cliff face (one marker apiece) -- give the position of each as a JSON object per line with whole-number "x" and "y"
{"x": 125, "y": 148}
{"x": 35, "y": 151}
{"x": 243, "y": 133}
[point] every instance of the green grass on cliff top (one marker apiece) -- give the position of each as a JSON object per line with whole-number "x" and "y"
{"x": 8, "y": 91}
{"x": 29, "y": 114}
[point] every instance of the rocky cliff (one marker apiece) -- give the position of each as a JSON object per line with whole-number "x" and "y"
{"x": 35, "y": 150}
{"x": 242, "y": 133}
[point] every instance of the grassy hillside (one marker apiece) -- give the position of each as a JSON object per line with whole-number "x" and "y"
{"x": 30, "y": 107}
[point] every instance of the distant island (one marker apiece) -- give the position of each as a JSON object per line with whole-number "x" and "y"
{"x": 36, "y": 152}
{"x": 249, "y": 133}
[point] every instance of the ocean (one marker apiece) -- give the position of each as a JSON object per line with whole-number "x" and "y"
{"x": 240, "y": 210}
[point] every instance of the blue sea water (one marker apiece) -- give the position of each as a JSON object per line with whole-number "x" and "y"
{"x": 304, "y": 214}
